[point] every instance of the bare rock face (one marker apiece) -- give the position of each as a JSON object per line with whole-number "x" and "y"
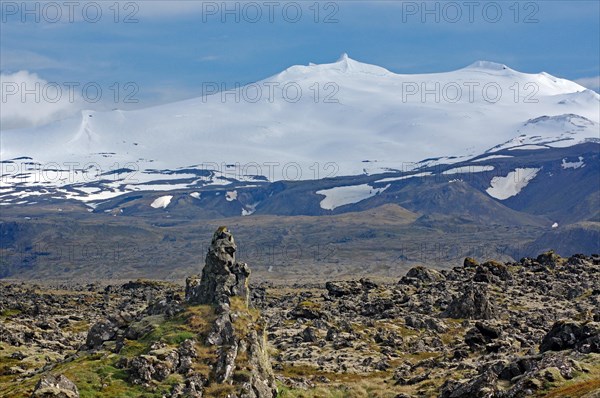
{"x": 222, "y": 276}
{"x": 55, "y": 386}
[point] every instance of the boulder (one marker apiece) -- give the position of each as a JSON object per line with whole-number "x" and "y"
{"x": 491, "y": 272}
{"x": 343, "y": 288}
{"x": 483, "y": 386}
{"x": 564, "y": 335}
{"x": 309, "y": 335}
{"x": 550, "y": 259}
{"x": 55, "y": 386}
{"x": 470, "y": 262}
{"x": 100, "y": 332}
{"x": 474, "y": 303}
{"x": 422, "y": 274}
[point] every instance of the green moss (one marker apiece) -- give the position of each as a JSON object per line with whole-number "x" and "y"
{"x": 10, "y": 312}
{"x": 133, "y": 348}
{"x": 78, "y": 327}
{"x": 310, "y": 304}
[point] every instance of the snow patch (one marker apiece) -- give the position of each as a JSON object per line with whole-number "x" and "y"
{"x": 391, "y": 179}
{"x": 340, "y": 196}
{"x": 248, "y": 210}
{"x": 505, "y": 187}
{"x": 195, "y": 195}
{"x": 468, "y": 170}
{"x": 573, "y": 165}
{"x": 492, "y": 157}
{"x": 528, "y": 148}
{"x": 163, "y": 202}
{"x": 230, "y": 196}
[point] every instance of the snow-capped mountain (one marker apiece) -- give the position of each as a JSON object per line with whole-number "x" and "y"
{"x": 310, "y": 122}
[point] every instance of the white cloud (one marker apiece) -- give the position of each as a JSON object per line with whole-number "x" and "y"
{"x": 19, "y": 59}
{"x": 28, "y": 100}
{"x": 593, "y": 83}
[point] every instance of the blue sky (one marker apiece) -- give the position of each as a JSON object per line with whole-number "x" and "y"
{"x": 170, "y": 48}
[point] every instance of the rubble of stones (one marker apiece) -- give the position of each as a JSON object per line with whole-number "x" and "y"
{"x": 480, "y": 330}
{"x": 486, "y": 330}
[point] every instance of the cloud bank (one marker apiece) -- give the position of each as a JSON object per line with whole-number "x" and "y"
{"x": 26, "y": 100}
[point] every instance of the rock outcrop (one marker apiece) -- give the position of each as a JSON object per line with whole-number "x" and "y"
{"x": 238, "y": 334}
{"x": 474, "y": 303}
{"x": 102, "y": 331}
{"x": 55, "y": 386}
{"x": 222, "y": 276}
{"x": 566, "y": 335}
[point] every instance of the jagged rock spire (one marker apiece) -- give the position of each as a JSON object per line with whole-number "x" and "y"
{"x": 222, "y": 276}
{"x": 222, "y": 279}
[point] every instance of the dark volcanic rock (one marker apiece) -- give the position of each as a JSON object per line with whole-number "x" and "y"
{"x": 349, "y": 288}
{"x": 491, "y": 271}
{"x": 344, "y": 288}
{"x": 421, "y": 274}
{"x": 470, "y": 262}
{"x": 222, "y": 276}
{"x": 100, "y": 332}
{"x": 550, "y": 259}
{"x": 483, "y": 386}
{"x": 474, "y": 303}
{"x": 572, "y": 335}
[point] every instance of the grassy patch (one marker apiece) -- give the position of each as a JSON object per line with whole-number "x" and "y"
{"x": 575, "y": 389}
{"x": 219, "y": 390}
{"x": 364, "y": 387}
{"x": 96, "y": 375}
{"x": 581, "y": 385}
{"x": 78, "y": 327}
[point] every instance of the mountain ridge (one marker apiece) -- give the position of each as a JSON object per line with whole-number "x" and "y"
{"x": 346, "y": 123}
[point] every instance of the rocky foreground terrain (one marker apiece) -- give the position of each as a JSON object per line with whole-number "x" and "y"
{"x": 517, "y": 329}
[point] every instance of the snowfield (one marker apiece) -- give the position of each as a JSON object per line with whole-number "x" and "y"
{"x": 468, "y": 170}
{"x": 162, "y": 202}
{"x": 340, "y": 196}
{"x": 505, "y": 187}
{"x": 318, "y": 121}
{"x": 392, "y": 179}
{"x": 230, "y": 196}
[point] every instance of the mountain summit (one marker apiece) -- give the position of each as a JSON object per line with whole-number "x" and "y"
{"x": 489, "y": 65}
{"x": 337, "y": 119}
